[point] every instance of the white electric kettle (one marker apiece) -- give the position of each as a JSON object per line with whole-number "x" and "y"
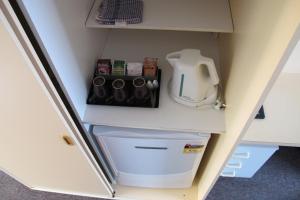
{"x": 195, "y": 79}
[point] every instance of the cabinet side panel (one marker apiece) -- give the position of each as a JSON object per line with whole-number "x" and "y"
{"x": 70, "y": 48}
{"x": 252, "y": 58}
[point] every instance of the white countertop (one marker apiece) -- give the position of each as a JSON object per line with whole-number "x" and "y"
{"x": 282, "y": 109}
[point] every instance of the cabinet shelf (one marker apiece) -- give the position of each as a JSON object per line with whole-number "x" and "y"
{"x": 131, "y": 45}
{"x": 191, "y": 15}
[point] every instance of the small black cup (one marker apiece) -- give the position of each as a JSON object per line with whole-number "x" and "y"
{"x": 140, "y": 89}
{"x": 99, "y": 87}
{"x": 119, "y": 91}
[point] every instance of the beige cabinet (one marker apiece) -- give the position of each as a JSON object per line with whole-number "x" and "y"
{"x": 32, "y": 148}
{"x": 250, "y": 59}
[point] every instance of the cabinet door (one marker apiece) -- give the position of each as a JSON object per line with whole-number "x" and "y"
{"x": 32, "y": 148}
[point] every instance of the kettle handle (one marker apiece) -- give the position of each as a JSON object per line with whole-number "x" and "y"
{"x": 211, "y": 69}
{"x": 173, "y": 55}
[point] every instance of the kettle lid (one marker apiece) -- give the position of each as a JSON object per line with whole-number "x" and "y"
{"x": 190, "y": 57}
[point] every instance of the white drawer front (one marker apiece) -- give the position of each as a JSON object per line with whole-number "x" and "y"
{"x": 228, "y": 172}
{"x": 248, "y": 159}
{"x": 234, "y": 164}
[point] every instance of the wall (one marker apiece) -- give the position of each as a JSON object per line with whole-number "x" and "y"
{"x": 71, "y": 48}
{"x": 254, "y": 53}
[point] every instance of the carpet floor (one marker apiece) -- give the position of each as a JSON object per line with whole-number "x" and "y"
{"x": 278, "y": 179}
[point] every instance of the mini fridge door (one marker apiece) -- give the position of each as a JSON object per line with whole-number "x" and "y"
{"x": 148, "y": 162}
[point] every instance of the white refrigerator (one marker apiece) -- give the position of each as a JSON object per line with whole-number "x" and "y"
{"x": 152, "y": 158}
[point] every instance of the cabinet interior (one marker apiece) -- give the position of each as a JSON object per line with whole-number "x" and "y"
{"x": 249, "y": 60}
{"x": 73, "y": 50}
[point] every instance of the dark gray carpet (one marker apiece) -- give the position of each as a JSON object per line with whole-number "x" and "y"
{"x": 278, "y": 179}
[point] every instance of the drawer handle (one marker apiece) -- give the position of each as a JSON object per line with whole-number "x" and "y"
{"x": 237, "y": 165}
{"x": 155, "y": 148}
{"x": 228, "y": 174}
{"x": 245, "y": 155}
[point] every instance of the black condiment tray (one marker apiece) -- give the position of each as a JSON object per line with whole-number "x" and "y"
{"x": 150, "y": 101}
